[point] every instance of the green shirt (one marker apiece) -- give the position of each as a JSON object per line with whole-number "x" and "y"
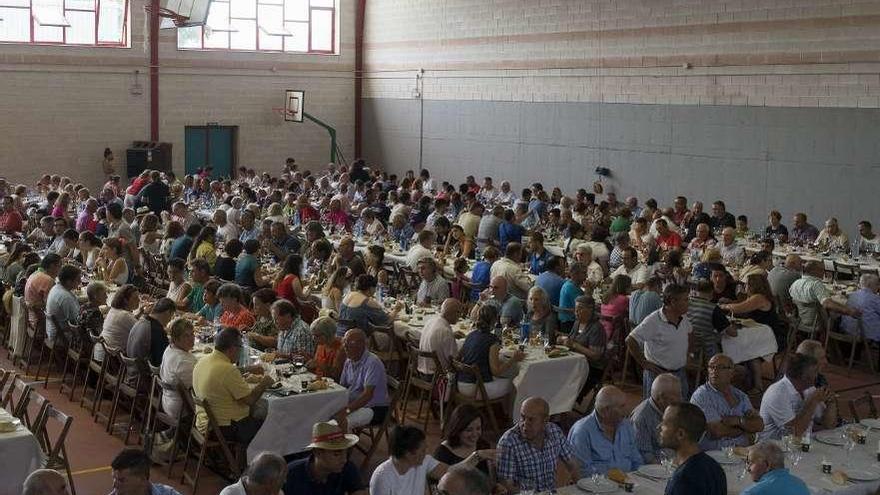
{"x": 196, "y": 297}
{"x": 620, "y": 224}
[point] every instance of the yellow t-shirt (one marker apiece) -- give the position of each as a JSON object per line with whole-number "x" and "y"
{"x": 217, "y": 380}
{"x": 207, "y": 252}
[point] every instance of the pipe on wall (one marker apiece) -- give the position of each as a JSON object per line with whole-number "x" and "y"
{"x": 358, "y": 70}
{"x": 154, "y": 70}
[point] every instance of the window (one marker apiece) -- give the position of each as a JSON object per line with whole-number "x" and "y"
{"x": 293, "y": 26}
{"x": 65, "y": 22}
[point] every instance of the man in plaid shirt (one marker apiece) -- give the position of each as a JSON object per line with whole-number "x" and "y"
{"x": 528, "y": 452}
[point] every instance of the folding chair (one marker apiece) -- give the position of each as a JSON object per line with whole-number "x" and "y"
{"x": 480, "y": 399}
{"x": 375, "y": 432}
{"x": 210, "y": 439}
{"x": 865, "y": 400}
{"x": 391, "y": 354}
{"x": 78, "y": 356}
{"x": 415, "y": 380}
{"x": 854, "y": 341}
{"x": 16, "y": 400}
{"x": 157, "y": 415}
{"x": 131, "y": 391}
{"x": 55, "y": 451}
{"x": 97, "y": 370}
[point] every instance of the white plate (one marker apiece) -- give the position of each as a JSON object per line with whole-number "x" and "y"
{"x": 9, "y": 425}
{"x": 830, "y": 438}
{"x": 721, "y": 458}
{"x": 654, "y": 471}
{"x": 604, "y": 485}
{"x": 872, "y": 423}
{"x": 862, "y": 475}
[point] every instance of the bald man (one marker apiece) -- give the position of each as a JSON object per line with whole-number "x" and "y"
{"x": 730, "y": 417}
{"x": 809, "y": 292}
{"x": 646, "y": 417}
{"x": 45, "y": 482}
{"x": 438, "y": 336}
{"x": 510, "y": 307}
{"x": 782, "y": 276}
{"x": 529, "y": 451}
{"x": 363, "y": 374}
{"x": 606, "y": 439}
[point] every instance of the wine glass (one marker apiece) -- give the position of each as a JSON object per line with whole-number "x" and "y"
{"x": 527, "y": 487}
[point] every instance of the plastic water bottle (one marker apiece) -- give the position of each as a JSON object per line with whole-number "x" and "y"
{"x": 245, "y": 351}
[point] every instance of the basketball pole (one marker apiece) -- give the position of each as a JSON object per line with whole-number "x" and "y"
{"x": 329, "y": 129}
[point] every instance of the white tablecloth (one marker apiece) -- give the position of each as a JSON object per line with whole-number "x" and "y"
{"x": 556, "y": 380}
{"x": 863, "y": 457}
{"x": 288, "y": 426}
{"x": 18, "y": 326}
{"x": 751, "y": 342}
{"x": 19, "y": 456}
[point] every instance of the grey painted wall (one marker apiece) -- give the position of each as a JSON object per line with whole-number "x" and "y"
{"x": 825, "y": 162}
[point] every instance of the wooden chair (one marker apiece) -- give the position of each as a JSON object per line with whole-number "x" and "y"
{"x": 35, "y": 332}
{"x": 113, "y": 372}
{"x": 819, "y": 327}
{"x": 415, "y": 380}
{"x": 41, "y": 403}
{"x": 391, "y": 354}
{"x": 212, "y": 439}
{"x": 846, "y": 271}
{"x": 480, "y": 399}
{"x": 131, "y": 391}
{"x": 17, "y": 397}
{"x": 55, "y": 451}
{"x": 97, "y": 370}
{"x": 865, "y": 400}
{"x": 408, "y": 279}
{"x": 54, "y": 350}
{"x": 374, "y": 433}
{"x": 6, "y": 377}
{"x": 854, "y": 341}
{"x": 156, "y": 415}
{"x": 78, "y": 356}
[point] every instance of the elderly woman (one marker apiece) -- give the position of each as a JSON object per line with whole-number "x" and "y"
{"x": 263, "y": 334}
{"x": 177, "y": 364}
{"x": 89, "y": 249}
{"x": 91, "y": 319}
{"x": 587, "y": 337}
{"x": 178, "y": 288}
{"x": 361, "y": 308}
{"x": 541, "y": 317}
{"x": 616, "y": 302}
{"x": 482, "y": 349}
{"x": 335, "y": 288}
{"x": 234, "y": 313}
{"x": 759, "y": 263}
{"x": 711, "y": 256}
{"x": 119, "y": 320}
{"x": 368, "y": 226}
{"x": 329, "y": 358}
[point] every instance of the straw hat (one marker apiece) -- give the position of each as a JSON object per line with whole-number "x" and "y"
{"x": 329, "y": 436}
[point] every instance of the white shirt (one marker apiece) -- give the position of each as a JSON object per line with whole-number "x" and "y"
{"x": 237, "y": 489}
{"x": 386, "y": 481}
{"x": 177, "y": 368}
{"x": 780, "y": 404}
{"x": 437, "y": 290}
{"x": 518, "y": 283}
{"x": 227, "y": 232}
{"x": 117, "y": 326}
{"x": 415, "y": 254}
{"x": 595, "y": 273}
{"x": 638, "y": 275}
{"x": 664, "y": 344}
{"x": 437, "y": 336}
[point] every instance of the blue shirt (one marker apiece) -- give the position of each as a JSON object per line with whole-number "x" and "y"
{"x": 509, "y": 232}
{"x": 247, "y": 235}
{"x": 552, "y": 285}
{"x": 597, "y": 454}
{"x": 567, "y": 295}
{"x": 244, "y": 270}
{"x": 715, "y": 406}
{"x": 480, "y": 276}
{"x": 777, "y": 482}
{"x": 180, "y": 247}
{"x": 642, "y": 303}
{"x": 869, "y": 303}
{"x": 537, "y": 262}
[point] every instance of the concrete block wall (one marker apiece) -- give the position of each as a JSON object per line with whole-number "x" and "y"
{"x": 61, "y": 106}
{"x": 766, "y": 103}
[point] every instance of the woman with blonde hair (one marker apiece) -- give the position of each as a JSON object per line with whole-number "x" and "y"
{"x": 329, "y": 358}
{"x": 335, "y": 289}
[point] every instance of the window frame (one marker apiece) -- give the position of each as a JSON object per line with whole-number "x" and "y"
{"x": 256, "y": 18}
{"x": 123, "y": 43}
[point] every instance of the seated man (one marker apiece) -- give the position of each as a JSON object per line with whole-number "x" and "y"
{"x": 217, "y": 380}
{"x": 793, "y": 403}
{"x": 422, "y": 249}
{"x": 327, "y": 470}
{"x": 464, "y": 480}
{"x": 731, "y": 252}
{"x": 866, "y": 300}
{"x": 45, "y": 482}
{"x": 409, "y": 469}
{"x": 62, "y": 306}
{"x": 645, "y": 301}
{"x": 148, "y": 338}
{"x": 510, "y": 308}
{"x": 438, "y": 336}
{"x": 510, "y": 268}
{"x": 605, "y": 439}
{"x": 264, "y": 475}
{"x": 809, "y": 292}
{"x": 707, "y": 318}
{"x": 131, "y": 475}
{"x": 433, "y": 288}
{"x": 363, "y": 374}
{"x": 730, "y": 418}
{"x": 552, "y": 279}
{"x": 767, "y": 468}
{"x": 632, "y": 268}
{"x": 528, "y": 453}
{"x": 782, "y": 276}
{"x": 681, "y": 429}
{"x": 815, "y": 350}
{"x": 646, "y": 417}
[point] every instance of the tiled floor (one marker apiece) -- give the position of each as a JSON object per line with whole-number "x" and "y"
{"x": 91, "y": 449}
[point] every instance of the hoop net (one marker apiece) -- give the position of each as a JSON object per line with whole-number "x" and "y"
{"x": 177, "y": 19}
{"x": 287, "y": 115}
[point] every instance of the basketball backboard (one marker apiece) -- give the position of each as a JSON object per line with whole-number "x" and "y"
{"x": 183, "y": 13}
{"x": 294, "y": 101}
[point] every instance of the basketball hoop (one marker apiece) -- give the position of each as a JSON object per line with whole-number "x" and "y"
{"x": 177, "y": 19}
{"x": 287, "y": 115}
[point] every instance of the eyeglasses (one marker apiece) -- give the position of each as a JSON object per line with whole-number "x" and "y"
{"x": 720, "y": 368}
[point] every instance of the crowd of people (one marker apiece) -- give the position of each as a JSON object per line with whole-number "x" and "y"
{"x": 271, "y": 262}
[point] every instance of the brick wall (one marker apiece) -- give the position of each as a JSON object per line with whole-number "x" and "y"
{"x": 60, "y": 106}
{"x": 803, "y": 53}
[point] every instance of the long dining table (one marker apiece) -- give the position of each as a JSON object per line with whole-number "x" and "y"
{"x": 20, "y": 454}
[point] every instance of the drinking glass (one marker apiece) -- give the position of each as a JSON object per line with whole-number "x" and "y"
{"x": 527, "y": 487}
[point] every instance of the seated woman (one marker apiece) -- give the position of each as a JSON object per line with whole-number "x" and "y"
{"x": 368, "y": 226}
{"x": 248, "y": 272}
{"x": 151, "y": 238}
{"x": 541, "y": 317}
{"x": 329, "y": 358}
{"x": 288, "y": 281}
{"x": 212, "y": 309}
{"x": 464, "y": 436}
{"x": 711, "y": 256}
{"x": 178, "y": 287}
{"x": 119, "y": 320}
{"x": 89, "y": 249}
{"x": 224, "y": 269}
{"x": 173, "y": 231}
{"x": 111, "y": 265}
{"x": 759, "y": 263}
{"x": 203, "y": 247}
{"x": 616, "y": 303}
{"x": 587, "y": 337}
{"x": 759, "y": 306}
{"x": 91, "y": 319}
{"x": 336, "y": 217}
{"x": 482, "y": 349}
{"x": 374, "y": 259}
{"x": 335, "y": 288}
{"x": 235, "y": 314}
{"x": 361, "y": 308}
{"x": 263, "y": 334}
{"x": 177, "y": 364}
{"x": 457, "y": 243}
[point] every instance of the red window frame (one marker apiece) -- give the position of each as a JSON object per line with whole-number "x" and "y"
{"x": 256, "y": 18}
{"x": 123, "y": 43}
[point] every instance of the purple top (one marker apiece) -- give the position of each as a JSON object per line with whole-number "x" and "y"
{"x": 357, "y": 375}
{"x": 805, "y": 234}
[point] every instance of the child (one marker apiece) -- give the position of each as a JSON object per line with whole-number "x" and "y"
{"x": 212, "y": 309}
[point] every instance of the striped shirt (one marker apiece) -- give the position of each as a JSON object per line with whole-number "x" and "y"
{"x": 646, "y": 419}
{"x": 808, "y": 293}
{"x": 713, "y": 404}
{"x": 708, "y": 321}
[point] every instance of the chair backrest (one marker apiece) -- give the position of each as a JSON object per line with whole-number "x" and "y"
{"x": 6, "y": 376}
{"x": 17, "y": 398}
{"x": 472, "y": 370}
{"x": 135, "y": 370}
{"x": 42, "y": 403}
{"x": 415, "y": 354}
{"x": 215, "y": 432}
{"x": 866, "y": 399}
{"x": 113, "y": 366}
{"x": 55, "y": 451}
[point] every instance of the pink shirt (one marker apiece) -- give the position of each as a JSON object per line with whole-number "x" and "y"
{"x": 37, "y": 287}
{"x": 619, "y": 305}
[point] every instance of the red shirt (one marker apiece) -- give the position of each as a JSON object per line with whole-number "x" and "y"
{"x": 10, "y": 221}
{"x": 284, "y": 289}
{"x": 136, "y": 185}
{"x": 242, "y": 320}
{"x": 307, "y": 214}
{"x": 669, "y": 241}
